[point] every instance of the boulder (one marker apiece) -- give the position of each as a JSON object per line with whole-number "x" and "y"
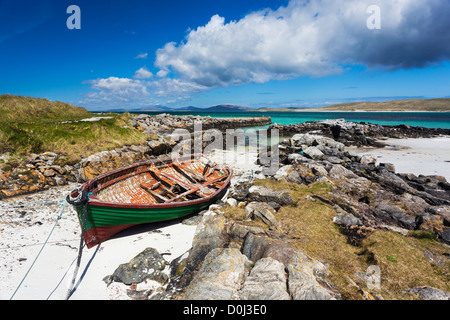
{"x": 429, "y": 293}
{"x": 283, "y": 172}
{"x": 209, "y": 235}
{"x": 256, "y": 247}
{"x": 338, "y": 171}
{"x": 389, "y": 167}
{"x": 262, "y": 211}
{"x": 313, "y": 153}
{"x": 444, "y": 234}
{"x": 368, "y": 159}
{"x": 263, "y": 194}
{"x": 397, "y": 214}
{"x": 347, "y": 220}
{"x": 240, "y": 189}
{"x": 303, "y": 284}
{"x": 301, "y": 174}
{"x": 221, "y": 275}
{"x": 266, "y": 281}
{"x": 148, "y": 264}
{"x": 231, "y": 202}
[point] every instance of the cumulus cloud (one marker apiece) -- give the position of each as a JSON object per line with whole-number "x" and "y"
{"x": 116, "y": 91}
{"x": 310, "y": 38}
{"x": 143, "y": 73}
{"x": 175, "y": 87}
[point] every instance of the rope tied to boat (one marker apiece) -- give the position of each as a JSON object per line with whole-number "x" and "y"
{"x": 78, "y": 198}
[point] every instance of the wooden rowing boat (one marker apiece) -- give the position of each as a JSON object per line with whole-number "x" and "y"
{"x": 148, "y": 191}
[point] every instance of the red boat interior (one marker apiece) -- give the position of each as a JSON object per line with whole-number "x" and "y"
{"x": 176, "y": 181}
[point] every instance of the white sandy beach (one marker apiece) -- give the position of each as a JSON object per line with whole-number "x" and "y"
{"x": 426, "y": 156}
{"x": 50, "y": 277}
{"x": 27, "y": 221}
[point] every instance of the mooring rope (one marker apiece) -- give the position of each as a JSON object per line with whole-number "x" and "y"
{"x": 42, "y": 248}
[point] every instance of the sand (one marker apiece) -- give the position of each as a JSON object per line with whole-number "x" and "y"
{"x": 22, "y": 238}
{"x": 426, "y": 156}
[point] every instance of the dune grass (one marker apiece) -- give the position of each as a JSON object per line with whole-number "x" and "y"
{"x": 30, "y": 125}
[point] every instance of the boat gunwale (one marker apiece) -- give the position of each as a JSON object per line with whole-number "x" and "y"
{"x": 96, "y": 202}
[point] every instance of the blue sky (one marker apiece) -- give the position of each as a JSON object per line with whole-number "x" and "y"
{"x": 254, "y": 53}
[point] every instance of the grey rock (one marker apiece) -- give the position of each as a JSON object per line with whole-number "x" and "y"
{"x": 146, "y": 265}
{"x": 262, "y": 211}
{"x": 445, "y": 234}
{"x": 368, "y": 159}
{"x": 240, "y": 189}
{"x": 346, "y": 219}
{"x": 389, "y": 167}
{"x": 303, "y": 284}
{"x": 283, "y": 172}
{"x": 240, "y": 231}
{"x": 267, "y": 281}
{"x": 221, "y": 275}
{"x": 231, "y": 202}
{"x": 297, "y": 158}
{"x": 429, "y": 293}
{"x": 397, "y": 214}
{"x": 338, "y": 171}
{"x": 313, "y": 153}
{"x": 262, "y": 194}
{"x": 209, "y": 235}
{"x": 256, "y": 247}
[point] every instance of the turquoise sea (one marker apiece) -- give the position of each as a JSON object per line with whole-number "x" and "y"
{"x": 420, "y": 119}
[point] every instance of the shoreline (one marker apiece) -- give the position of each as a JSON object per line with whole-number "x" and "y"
{"x": 419, "y": 156}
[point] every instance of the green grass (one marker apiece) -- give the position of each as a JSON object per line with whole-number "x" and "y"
{"x": 26, "y": 109}
{"x": 30, "y": 125}
{"x": 308, "y": 226}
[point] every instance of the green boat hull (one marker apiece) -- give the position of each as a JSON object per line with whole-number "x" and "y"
{"x": 102, "y": 222}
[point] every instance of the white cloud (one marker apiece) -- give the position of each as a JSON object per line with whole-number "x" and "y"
{"x": 141, "y": 56}
{"x": 143, "y": 73}
{"x": 115, "y": 91}
{"x": 175, "y": 87}
{"x": 309, "y": 38}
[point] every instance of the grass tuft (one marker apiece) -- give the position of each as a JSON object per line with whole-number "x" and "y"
{"x": 30, "y": 125}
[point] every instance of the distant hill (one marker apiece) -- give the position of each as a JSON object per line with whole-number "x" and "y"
{"x": 218, "y": 108}
{"x": 226, "y": 108}
{"x": 442, "y": 104}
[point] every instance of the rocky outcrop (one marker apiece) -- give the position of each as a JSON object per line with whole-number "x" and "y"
{"x": 429, "y": 293}
{"x": 220, "y": 276}
{"x": 166, "y": 123}
{"x": 266, "y": 281}
{"x": 39, "y": 172}
{"x": 359, "y": 134}
{"x": 368, "y": 195}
